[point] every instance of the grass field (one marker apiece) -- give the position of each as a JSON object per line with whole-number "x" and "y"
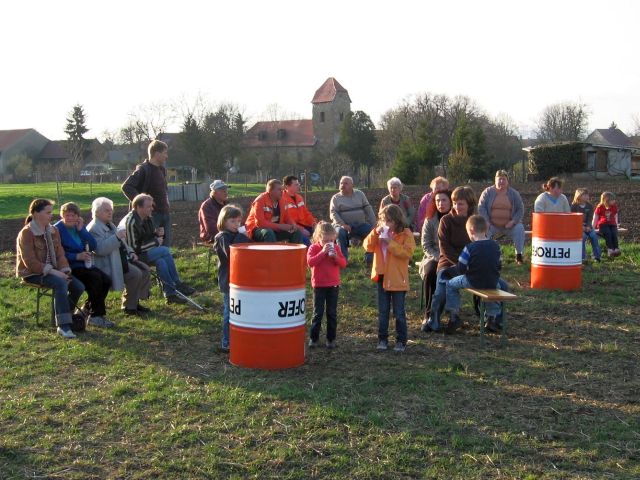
{"x": 15, "y": 198}
{"x": 155, "y": 399}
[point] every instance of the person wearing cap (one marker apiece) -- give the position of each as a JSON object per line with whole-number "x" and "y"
{"x": 296, "y": 208}
{"x": 210, "y": 210}
{"x": 268, "y": 220}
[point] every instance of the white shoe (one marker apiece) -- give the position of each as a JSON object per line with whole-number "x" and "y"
{"x": 65, "y": 332}
{"x": 98, "y": 321}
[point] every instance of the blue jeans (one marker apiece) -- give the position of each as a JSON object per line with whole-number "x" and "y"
{"x": 437, "y": 301}
{"x": 163, "y": 260}
{"x": 515, "y": 233}
{"x": 359, "y": 231}
{"x": 385, "y": 300}
{"x": 65, "y": 294}
{"x": 595, "y": 246}
{"x": 163, "y": 220}
{"x": 225, "y": 320}
{"x": 453, "y": 296}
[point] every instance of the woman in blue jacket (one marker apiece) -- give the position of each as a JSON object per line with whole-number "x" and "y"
{"x": 78, "y": 244}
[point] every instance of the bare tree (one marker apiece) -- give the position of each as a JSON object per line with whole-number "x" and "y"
{"x": 563, "y": 122}
{"x": 636, "y": 124}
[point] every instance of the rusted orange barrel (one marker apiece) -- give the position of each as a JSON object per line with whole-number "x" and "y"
{"x": 267, "y": 303}
{"x": 556, "y": 251}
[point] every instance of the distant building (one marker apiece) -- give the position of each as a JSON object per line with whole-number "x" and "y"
{"x": 274, "y": 147}
{"x": 45, "y": 155}
{"x": 609, "y": 152}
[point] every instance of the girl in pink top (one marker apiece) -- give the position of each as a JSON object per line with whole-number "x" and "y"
{"x": 325, "y": 260}
{"x": 605, "y": 219}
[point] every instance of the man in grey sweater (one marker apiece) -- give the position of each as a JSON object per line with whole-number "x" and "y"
{"x": 351, "y": 214}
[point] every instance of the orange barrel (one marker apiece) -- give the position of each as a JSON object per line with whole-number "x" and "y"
{"x": 267, "y": 303}
{"x": 556, "y": 251}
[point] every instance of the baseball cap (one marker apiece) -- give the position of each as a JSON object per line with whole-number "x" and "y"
{"x": 217, "y": 185}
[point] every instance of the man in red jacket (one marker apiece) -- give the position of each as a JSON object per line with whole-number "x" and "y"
{"x": 268, "y": 220}
{"x": 296, "y": 208}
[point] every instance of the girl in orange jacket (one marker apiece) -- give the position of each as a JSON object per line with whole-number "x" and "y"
{"x": 392, "y": 245}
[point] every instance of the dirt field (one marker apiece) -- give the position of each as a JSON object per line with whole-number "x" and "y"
{"x": 185, "y": 214}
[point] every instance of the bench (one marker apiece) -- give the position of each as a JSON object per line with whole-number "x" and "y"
{"x": 42, "y": 291}
{"x": 492, "y": 295}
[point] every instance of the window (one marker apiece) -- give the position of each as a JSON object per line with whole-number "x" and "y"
{"x": 341, "y": 116}
{"x": 281, "y": 133}
{"x": 321, "y": 117}
{"x": 262, "y": 135}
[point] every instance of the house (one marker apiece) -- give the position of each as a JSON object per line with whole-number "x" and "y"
{"x": 27, "y": 142}
{"x": 608, "y": 152}
{"x": 284, "y": 146}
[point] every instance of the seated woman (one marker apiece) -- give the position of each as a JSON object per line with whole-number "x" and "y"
{"x": 117, "y": 260}
{"x": 40, "y": 260}
{"x": 396, "y": 197}
{"x": 452, "y": 238}
{"x": 552, "y": 199}
{"x": 431, "y": 249}
{"x": 78, "y": 243}
{"x": 426, "y": 208}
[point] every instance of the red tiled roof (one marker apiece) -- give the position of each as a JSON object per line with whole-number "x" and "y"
{"x": 297, "y": 133}
{"x": 53, "y": 151}
{"x": 327, "y": 92}
{"x": 9, "y": 137}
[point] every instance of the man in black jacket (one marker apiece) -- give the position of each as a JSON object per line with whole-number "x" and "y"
{"x": 147, "y": 241}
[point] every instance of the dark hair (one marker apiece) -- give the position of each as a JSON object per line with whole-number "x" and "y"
{"x": 467, "y": 194}
{"x": 36, "y": 206}
{"x": 156, "y": 146}
{"x": 432, "y": 205}
{"x": 288, "y": 180}
{"x": 394, "y": 214}
{"x": 69, "y": 207}
{"x": 552, "y": 183}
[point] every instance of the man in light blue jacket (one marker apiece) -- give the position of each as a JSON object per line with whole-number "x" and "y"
{"x": 502, "y": 207}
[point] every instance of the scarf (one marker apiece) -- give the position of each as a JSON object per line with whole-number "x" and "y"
{"x": 48, "y": 240}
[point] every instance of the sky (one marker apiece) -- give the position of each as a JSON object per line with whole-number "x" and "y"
{"x": 119, "y": 57}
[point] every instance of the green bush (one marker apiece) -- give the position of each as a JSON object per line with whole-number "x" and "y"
{"x": 548, "y": 160}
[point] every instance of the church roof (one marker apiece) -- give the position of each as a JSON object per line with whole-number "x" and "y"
{"x": 284, "y": 133}
{"x": 327, "y": 92}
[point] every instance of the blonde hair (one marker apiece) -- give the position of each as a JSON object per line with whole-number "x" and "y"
{"x": 606, "y": 198}
{"x": 227, "y": 212}
{"x": 578, "y": 194}
{"x": 434, "y": 183}
{"x": 393, "y": 213}
{"x": 322, "y": 228}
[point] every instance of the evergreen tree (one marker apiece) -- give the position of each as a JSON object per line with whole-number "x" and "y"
{"x": 76, "y": 143}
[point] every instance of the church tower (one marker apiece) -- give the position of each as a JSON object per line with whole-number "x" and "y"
{"x": 331, "y": 104}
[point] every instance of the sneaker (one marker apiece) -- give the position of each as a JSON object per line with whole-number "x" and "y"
{"x": 455, "y": 322}
{"x": 617, "y": 252}
{"x": 131, "y": 312}
{"x": 426, "y": 328}
{"x": 99, "y": 321}
{"x": 331, "y": 344}
{"x": 175, "y": 299}
{"x": 519, "y": 259}
{"x": 382, "y": 345}
{"x": 611, "y": 252}
{"x": 313, "y": 343}
{"x": 185, "y": 289}
{"x": 400, "y": 347}
{"x": 65, "y": 332}
{"x": 224, "y": 348}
